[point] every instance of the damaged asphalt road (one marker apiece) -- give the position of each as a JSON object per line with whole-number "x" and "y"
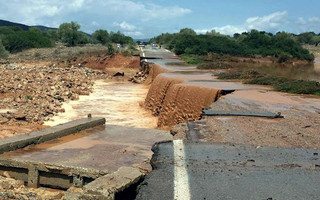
{"x": 195, "y": 170}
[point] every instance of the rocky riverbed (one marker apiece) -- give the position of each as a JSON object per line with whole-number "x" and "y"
{"x": 31, "y": 94}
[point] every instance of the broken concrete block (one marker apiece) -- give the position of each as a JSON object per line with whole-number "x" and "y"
{"x": 108, "y": 185}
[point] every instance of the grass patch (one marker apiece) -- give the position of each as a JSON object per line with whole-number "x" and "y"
{"x": 238, "y": 74}
{"x": 191, "y": 59}
{"x": 288, "y": 85}
{"x": 177, "y": 64}
{"x": 214, "y": 65}
{"x": 279, "y": 83}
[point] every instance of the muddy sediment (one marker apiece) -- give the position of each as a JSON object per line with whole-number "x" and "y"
{"x": 158, "y": 92}
{"x": 154, "y": 72}
{"x": 185, "y": 103}
{"x": 175, "y": 102}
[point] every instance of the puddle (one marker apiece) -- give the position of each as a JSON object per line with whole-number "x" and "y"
{"x": 118, "y": 102}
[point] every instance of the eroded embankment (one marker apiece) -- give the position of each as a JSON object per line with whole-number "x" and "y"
{"x": 175, "y": 102}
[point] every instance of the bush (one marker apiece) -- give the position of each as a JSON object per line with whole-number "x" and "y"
{"x": 101, "y": 36}
{"x": 190, "y": 59}
{"x": 214, "y": 65}
{"x": 282, "y": 45}
{"x": 120, "y": 38}
{"x": 127, "y": 53}
{"x": 3, "y": 52}
{"x": 284, "y": 58}
{"x": 21, "y": 40}
{"x": 240, "y": 74}
{"x": 288, "y": 85}
{"x": 111, "y": 49}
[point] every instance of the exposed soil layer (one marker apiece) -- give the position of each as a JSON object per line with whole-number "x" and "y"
{"x": 158, "y": 92}
{"x": 185, "y": 103}
{"x": 102, "y": 61}
{"x": 154, "y": 72}
{"x": 174, "y": 102}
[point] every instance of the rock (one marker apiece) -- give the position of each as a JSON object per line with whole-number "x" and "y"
{"x": 118, "y": 74}
{"x": 3, "y": 120}
{"x": 40, "y": 91}
{"x": 20, "y": 116}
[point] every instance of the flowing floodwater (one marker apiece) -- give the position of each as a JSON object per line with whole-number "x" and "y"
{"x": 118, "y": 102}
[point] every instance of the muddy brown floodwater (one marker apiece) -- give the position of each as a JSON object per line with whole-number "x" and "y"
{"x": 117, "y": 101}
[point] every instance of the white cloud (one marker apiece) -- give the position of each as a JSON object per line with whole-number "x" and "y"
{"x": 94, "y": 23}
{"x": 134, "y": 34}
{"x": 125, "y": 26}
{"x": 129, "y": 29}
{"x": 270, "y": 23}
{"x": 46, "y": 11}
{"x": 91, "y": 14}
{"x": 227, "y": 30}
{"x": 310, "y": 24}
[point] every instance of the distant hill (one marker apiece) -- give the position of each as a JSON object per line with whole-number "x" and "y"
{"x": 141, "y": 40}
{"x": 23, "y": 26}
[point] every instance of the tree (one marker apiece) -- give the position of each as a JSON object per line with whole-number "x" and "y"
{"x": 315, "y": 40}
{"x": 187, "y": 31}
{"x": 68, "y": 33}
{"x": 305, "y": 38}
{"x": 3, "y": 52}
{"x": 120, "y": 38}
{"x": 20, "y": 40}
{"x": 102, "y": 36}
{"x": 52, "y": 34}
{"x": 35, "y": 30}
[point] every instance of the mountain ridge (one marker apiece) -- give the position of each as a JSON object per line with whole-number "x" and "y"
{"x": 23, "y": 26}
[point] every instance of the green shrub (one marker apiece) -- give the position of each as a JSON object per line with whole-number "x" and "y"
{"x": 37, "y": 54}
{"x": 282, "y": 45}
{"x": 283, "y": 57}
{"x": 288, "y": 85}
{"x": 101, "y": 36}
{"x": 3, "y": 52}
{"x": 127, "y": 53}
{"x": 239, "y": 74}
{"x": 214, "y": 65}
{"x": 191, "y": 59}
{"x": 111, "y": 49}
{"x": 21, "y": 40}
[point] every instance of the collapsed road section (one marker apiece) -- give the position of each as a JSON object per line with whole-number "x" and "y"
{"x": 83, "y": 153}
{"x": 240, "y": 147}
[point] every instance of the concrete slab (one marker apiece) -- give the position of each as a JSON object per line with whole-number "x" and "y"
{"x": 20, "y": 141}
{"x": 110, "y": 185}
{"x": 227, "y": 171}
{"x": 90, "y": 153}
{"x": 250, "y": 113}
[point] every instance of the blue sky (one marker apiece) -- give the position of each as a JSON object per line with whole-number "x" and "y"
{"x": 148, "y": 18}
